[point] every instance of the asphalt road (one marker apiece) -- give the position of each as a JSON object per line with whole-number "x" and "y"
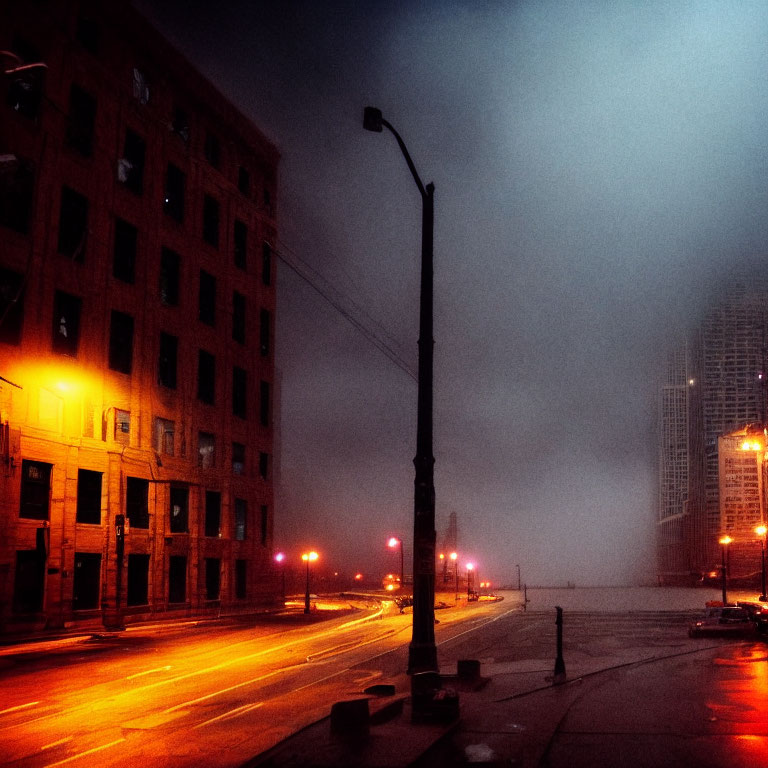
{"x": 211, "y": 695}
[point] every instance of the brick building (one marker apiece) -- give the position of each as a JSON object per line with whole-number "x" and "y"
{"x": 137, "y": 306}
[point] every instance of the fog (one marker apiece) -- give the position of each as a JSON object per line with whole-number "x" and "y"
{"x": 599, "y": 172}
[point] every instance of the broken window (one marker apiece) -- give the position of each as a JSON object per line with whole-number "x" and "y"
{"x": 206, "y": 377}
{"x": 180, "y": 123}
{"x": 264, "y": 403}
{"x": 177, "y": 579}
{"x": 179, "y": 512}
{"x": 263, "y": 464}
{"x": 206, "y": 450}
{"x": 169, "y": 277}
{"x": 138, "y": 580}
{"x": 73, "y": 224}
{"x": 140, "y": 86}
{"x": 87, "y": 33}
{"x": 243, "y": 181}
{"x": 17, "y": 186}
{"x": 166, "y": 367}
{"x": 86, "y": 581}
{"x": 29, "y": 581}
{"x": 122, "y": 426}
{"x": 121, "y": 342}
{"x": 82, "y": 119}
{"x": 212, "y": 149}
{"x": 173, "y": 203}
{"x": 25, "y": 82}
{"x": 66, "y": 323}
{"x": 124, "y": 262}
{"x": 11, "y": 306}
{"x": 211, "y": 221}
{"x": 212, "y": 578}
{"x": 207, "y": 298}
{"x": 130, "y": 167}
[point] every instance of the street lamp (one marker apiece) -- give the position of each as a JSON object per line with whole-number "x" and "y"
{"x": 518, "y": 577}
{"x": 761, "y": 531}
{"x": 470, "y": 568}
{"x": 392, "y": 543}
{"x": 308, "y": 557}
{"x": 724, "y": 542}
{"x": 422, "y": 652}
{"x": 279, "y": 558}
{"x": 454, "y": 556}
{"x": 443, "y": 567}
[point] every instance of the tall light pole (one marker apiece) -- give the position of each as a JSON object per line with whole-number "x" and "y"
{"x": 470, "y": 567}
{"x": 724, "y": 542}
{"x": 308, "y": 557}
{"x": 422, "y": 652}
{"x": 761, "y": 531}
{"x": 392, "y": 543}
{"x": 279, "y": 558}
{"x": 518, "y": 578}
{"x": 455, "y": 557}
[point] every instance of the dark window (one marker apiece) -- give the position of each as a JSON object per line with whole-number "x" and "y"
{"x": 138, "y": 580}
{"x": 212, "y": 578}
{"x": 124, "y": 263}
{"x": 266, "y": 264}
{"x": 165, "y": 434}
{"x": 88, "y": 497}
{"x": 241, "y": 244}
{"x": 166, "y": 366}
{"x": 240, "y": 581}
{"x": 121, "y": 342}
{"x": 86, "y": 581}
{"x": 238, "y": 317}
{"x": 177, "y": 579}
{"x": 238, "y": 459}
{"x": 140, "y": 86}
{"x": 11, "y": 306}
{"x": 173, "y": 203}
{"x": 264, "y": 332}
{"x": 87, "y": 34}
{"x": 263, "y": 464}
{"x": 243, "y": 181}
{"x": 29, "y": 582}
{"x": 82, "y": 118}
{"x": 212, "y": 513}
{"x": 25, "y": 87}
{"x": 66, "y": 323}
{"x": 241, "y": 515}
{"x": 207, "y": 298}
{"x": 212, "y": 149}
{"x": 211, "y": 221}
{"x": 169, "y": 277}
{"x": 179, "y": 510}
{"x": 239, "y": 391}
{"x": 73, "y": 224}
{"x": 137, "y": 502}
{"x": 206, "y": 450}
{"x": 35, "y": 489}
{"x": 180, "y": 123}
{"x": 264, "y": 403}
{"x": 130, "y": 167}
{"x": 206, "y": 377}
{"x": 264, "y": 523}
{"x": 17, "y": 186}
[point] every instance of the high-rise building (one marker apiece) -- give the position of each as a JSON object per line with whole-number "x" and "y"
{"x": 715, "y": 385}
{"x": 137, "y": 313}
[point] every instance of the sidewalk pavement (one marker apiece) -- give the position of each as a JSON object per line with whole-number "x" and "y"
{"x": 706, "y": 705}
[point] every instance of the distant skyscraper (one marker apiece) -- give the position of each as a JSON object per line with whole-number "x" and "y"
{"x": 714, "y": 385}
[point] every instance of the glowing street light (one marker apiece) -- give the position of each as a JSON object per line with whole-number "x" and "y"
{"x": 392, "y": 543}
{"x": 724, "y": 542}
{"x": 279, "y": 558}
{"x": 454, "y": 556}
{"x": 761, "y": 531}
{"x": 308, "y": 557}
{"x": 470, "y": 568}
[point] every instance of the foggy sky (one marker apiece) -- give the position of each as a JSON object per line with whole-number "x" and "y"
{"x": 599, "y": 169}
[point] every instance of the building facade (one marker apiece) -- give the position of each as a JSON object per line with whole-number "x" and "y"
{"x": 137, "y": 309}
{"x": 722, "y": 364}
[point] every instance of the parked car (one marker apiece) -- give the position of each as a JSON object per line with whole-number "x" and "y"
{"x": 724, "y": 620}
{"x": 758, "y": 613}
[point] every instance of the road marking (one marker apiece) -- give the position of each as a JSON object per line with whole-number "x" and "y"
{"x": 16, "y": 709}
{"x": 83, "y": 754}
{"x": 232, "y": 713}
{"x": 57, "y": 743}
{"x": 226, "y": 690}
{"x": 149, "y": 672}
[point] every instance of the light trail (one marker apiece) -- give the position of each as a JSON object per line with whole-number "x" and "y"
{"x": 83, "y": 754}
{"x": 149, "y": 672}
{"x": 232, "y": 713}
{"x": 20, "y": 706}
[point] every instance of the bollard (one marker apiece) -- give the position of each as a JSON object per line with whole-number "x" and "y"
{"x": 559, "y": 662}
{"x": 350, "y": 720}
{"x": 467, "y": 670}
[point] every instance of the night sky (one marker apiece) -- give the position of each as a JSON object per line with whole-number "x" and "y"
{"x": 600, "y": 170}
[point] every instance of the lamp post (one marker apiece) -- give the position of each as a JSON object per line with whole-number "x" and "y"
{"x": 392, "y": 543}
{"x": 761, "y": 531}
{"x": 279, "y": 558}
{"x": 724, "y": 542}
{"x": 518, "y": 577}
{"x": 422, "y": 652}
{"x": 454, "y": 556}
{"x": 470, "y": 568}
{"x": 308, "y": 557}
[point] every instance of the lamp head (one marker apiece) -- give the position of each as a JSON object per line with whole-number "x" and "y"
{"x": 372, "y": 119}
